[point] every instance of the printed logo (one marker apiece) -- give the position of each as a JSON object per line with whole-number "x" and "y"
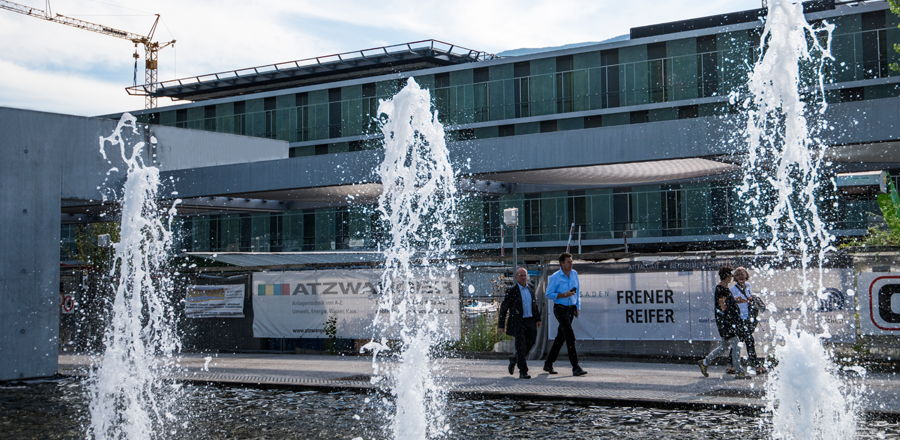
{"x": 884, "y": 302}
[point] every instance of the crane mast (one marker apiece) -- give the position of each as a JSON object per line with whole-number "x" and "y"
{"x": 151, "y": 48}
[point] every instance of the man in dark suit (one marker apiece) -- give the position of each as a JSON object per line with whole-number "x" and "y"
{"x": 524, "y": 319}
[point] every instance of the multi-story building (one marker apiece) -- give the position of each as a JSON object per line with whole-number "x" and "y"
{"x": 633, "y": 139}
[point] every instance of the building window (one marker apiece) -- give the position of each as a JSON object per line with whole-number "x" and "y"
{"x": 521, "y": 72}
{"x": 321, "y": 149}
{"x": 215, "y": 233}
{"x": 341, "y": 228}
{"x": 688, "y": 111}
{"x": 245, "y": 228}
{"x": 334, "y": 113}
{"x": 181, "y": 118}
{"x": 639, "y": 117}
{"x": 707, "y": 66}
{"x": 671, "y": 200}
{"x": 491, "y": 215}
{"x": 874, "y": 45}
{"x": 369, "y": 109}
{"x": 276, "y": 236}
{"x": 209, "y": 117}
{"x": 656, "y": 54}
{"x": 269, "y": 109}
{"x": 442, "y": 95}
{"x": 621, "y": 210}
{"x": 593, "y": 121}
{"x": 565, "y": 84}
{"x": 576, "y": 208}
{"x": 507, "y": 130}
{"x": 609, "y": 78}
{"x": 240, "y": 118}
{"x": 480, "y": 78}
{"x": 532, "y": 217}
{"x": 852, "y": 94}
{"x": 301, "y": 102}
{"x": 309, "y": 230}
{"x": 548, "y": 126}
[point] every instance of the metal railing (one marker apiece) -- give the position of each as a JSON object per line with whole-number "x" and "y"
{"x": 356, "y": 55}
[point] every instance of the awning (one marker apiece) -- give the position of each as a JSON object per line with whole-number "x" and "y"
{"x": 259, "y": 259}
{"x": 630, "y": 173}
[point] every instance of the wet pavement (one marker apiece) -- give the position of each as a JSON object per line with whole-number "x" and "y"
{"x": 614, "y": 383}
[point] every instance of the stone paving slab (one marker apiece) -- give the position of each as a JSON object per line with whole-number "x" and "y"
{"x": 627, "y": 383}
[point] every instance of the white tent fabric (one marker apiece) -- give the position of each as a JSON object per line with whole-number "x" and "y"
{"x": 631, "y": 173}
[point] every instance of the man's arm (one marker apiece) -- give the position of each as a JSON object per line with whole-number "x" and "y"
{"x": 504, "y": 308}
{"x": 552, "y": 287}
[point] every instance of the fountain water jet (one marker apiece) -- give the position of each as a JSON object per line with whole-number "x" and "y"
{"x": 782, "y": 180}
{"x": 418, "y": 203}
{"x": 129, "y": 395}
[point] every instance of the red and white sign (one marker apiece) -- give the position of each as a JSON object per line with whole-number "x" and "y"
{"x": 66, "y": 304}
{"x": 879, "y": 303}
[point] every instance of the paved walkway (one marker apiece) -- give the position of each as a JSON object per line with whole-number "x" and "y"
{"x": 652, "y": 384}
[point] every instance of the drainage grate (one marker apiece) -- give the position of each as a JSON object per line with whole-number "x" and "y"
{"x": 734, "y": 392}
{"x": 356, "y": 378}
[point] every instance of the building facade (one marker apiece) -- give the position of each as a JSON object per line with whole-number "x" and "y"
{"x": 630, "y": 140}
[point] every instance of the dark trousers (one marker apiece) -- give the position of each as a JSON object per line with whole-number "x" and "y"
{"x": 525, "y": 338}
{"x": 745, "y": 334}
{"x": 564, "y": 315}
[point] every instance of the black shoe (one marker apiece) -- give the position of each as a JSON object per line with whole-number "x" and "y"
{"x": 549, "y": 369}
{"x": 524, "y": 376}
{"x": 512, "y": 366}
{"x": 578, "y": 372}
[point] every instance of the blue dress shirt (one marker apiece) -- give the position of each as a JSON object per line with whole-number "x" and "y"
{"x": 526, "y": 301}
{"x": 560, "y": 283}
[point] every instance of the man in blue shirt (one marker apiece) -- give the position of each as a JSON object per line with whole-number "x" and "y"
{"x": 564, "y": 290}
{"x": 524, "y": 320}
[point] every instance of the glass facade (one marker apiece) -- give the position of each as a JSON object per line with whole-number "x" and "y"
{"x": 698, "y": 209}
{"x": 669, "y": 71}
{"x": 709, "y": 67}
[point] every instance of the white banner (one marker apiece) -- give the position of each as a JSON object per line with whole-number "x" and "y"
{"x": 678, "y": 305}
{"x": 879, "y": 303}
{"x": 298, "y": 304}
{"x": 214, "y": 301}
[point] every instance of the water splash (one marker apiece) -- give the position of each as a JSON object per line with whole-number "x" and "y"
{"x": 129, "y": 395}
{"x": 418, "y": 202}
{"x": 783, "y": 180}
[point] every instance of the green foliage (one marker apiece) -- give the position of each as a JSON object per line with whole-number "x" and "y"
{"x": 895, "y": 8}
{"x": 481, "y": 337}
{"x": 88, "y": 250}
{"x": 889, "y": 203}
{"x": 331, "y": 334}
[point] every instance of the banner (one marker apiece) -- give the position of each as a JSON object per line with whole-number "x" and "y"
{"x": 298, "y": 304}
{"x": 622, "y": 304}
{"x": 879, "y": 303}
{"x": 214, "y": 301}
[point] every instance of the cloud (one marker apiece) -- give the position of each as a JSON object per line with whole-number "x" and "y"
{"x": 55, "y": 62}
{"x": 68, "y": 93}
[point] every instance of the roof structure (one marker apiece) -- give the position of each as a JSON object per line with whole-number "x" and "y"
{"x": 349, "y": 65}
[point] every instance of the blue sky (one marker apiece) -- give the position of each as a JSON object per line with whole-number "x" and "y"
{"x": 50, "y": 67}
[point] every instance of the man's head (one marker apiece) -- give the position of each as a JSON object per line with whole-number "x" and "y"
{"x": 521, "y": 276}
{"x": 565, "y": 261}
{"x": 741, "y": 275}
{"x": 725, "y": 273}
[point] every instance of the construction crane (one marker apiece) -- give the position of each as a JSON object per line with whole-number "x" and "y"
{"x": 151, "y": 48}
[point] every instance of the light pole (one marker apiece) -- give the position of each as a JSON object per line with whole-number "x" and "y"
{"x": 511, "y": 218}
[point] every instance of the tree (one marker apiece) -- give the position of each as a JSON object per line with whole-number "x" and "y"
{"x": 895, "y": 8}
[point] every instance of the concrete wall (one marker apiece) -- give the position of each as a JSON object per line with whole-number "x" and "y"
{"x": 30, "y": 181}
{"x": 180, "y": 148}
{"x": 50, "y": 157}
